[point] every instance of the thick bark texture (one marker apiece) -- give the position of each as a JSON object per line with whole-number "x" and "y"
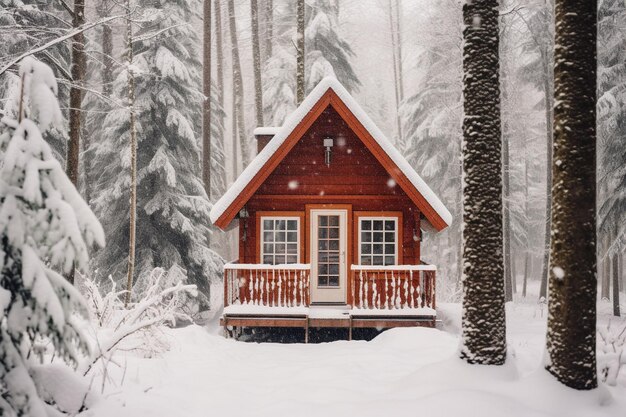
{"x": 238, "y": 84}
{"x": 206, "y": 103}
{"x": 133, "y": 158}
{"x": 78, "y": 68}
{"x": 483, "y": 335}
{"x": 256, "y": 60}
{"x": 300, "y": 52}
{"x": 571, "y": 339}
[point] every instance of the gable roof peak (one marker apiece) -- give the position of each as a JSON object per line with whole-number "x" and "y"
{"x": 227, "y": 207}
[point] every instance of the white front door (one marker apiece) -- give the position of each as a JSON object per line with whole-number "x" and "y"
{"x": 329, "y": 236}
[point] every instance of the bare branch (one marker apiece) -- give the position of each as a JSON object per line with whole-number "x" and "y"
{"x": 58, "y": 40}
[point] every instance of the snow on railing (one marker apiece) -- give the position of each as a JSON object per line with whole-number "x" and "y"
{"x": 393, "y": 286}
{"x": 284, "y": 285}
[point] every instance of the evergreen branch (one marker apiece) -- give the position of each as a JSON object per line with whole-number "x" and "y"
{"x": 58, "y": 40}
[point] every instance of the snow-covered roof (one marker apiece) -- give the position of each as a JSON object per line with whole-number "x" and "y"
{"x": 266, "y": 130}
{"x": 252, "y": 170}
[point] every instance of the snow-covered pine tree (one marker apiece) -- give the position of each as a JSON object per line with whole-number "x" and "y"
{"x": 279, "y": 95}
{"x": 571, "y": 338}
{"x": 327, "y": 53}
{"x": 44, "y": 224}
{"x": 172, "y": 206}
{"x": 612, "y": 136}
{"x": 24, "y": 25}
{"x": 484, "y": 326}
{"x": 432, "y": 122}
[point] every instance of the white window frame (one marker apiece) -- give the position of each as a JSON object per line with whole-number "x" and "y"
{"x": 396, "y": 220}
{"x": 262, "y": 235}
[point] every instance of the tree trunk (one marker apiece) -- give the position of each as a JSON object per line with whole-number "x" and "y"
{"x": 269, "y": 27}
{"x": 238, "y": 84}
{"x": 256, "y": 60}
{"x": 107, "y": 51}
{"x": 300, "y": 53}
{"x": 76, "y": 93}
{"x": 399, "y": 46}
{"x": 616, "y": 280}
{"x": 571, "y": 338}
{"x": 234, "y": 133}
{"x": 133, "y": 158}
{"x": 206, "y": 103}
{"x": 527, "y": 271}
{"x": 396, "y": 80}
{"x": 506, "y": 197}
{"x": 605, "y": 283}
{"x": 219, "y": 51}
{"x": 484, "y": 326}
{"x": 548, "y": 98}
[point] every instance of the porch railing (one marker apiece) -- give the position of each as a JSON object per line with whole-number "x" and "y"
{"x": 393, "y": 287}
{"x": 267, "y": 285}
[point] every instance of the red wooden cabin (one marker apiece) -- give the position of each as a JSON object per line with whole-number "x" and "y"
{"x": 330, "y": 216}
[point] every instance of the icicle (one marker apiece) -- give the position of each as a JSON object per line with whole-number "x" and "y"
{"x": 412, "y": 290}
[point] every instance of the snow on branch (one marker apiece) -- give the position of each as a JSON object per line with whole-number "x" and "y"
{"x": 58, "y": 40}
{"x": 158, "y": 306}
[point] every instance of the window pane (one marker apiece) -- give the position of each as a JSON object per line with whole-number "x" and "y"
{"x": 333, "y": 220}
{"x": 377, "y": 249}
{"x": 366, "y": 237}
{"x": 268, "y": 248}
{"x": 390, "y": 260}
{"x": 279, "y": 259}
{"x": 333, "y": 281}
{"x": 378, "y": 224}
{"x": 322, "y": 281}
{"x": 281, "y": 237}
{"x": 366, "y": 249}
{"x": 334, "y": 269}
{"x": 378, "y": 236}
{"x": 281, "y": 224}
{"x": 268, "y": 224}
{"x": 377, "y": 260}
{"x": 323, "y": 257}
{"x": 323, "y": 269}
{"x": 366, "y": 225}
{"x": 292, "y": 237}
{"x": 333, "y": 245}
{"x": 390, "y": 237}
{"x": 333, "y": 233}
{"x": 322, "y": 245}
{"x": 280, "y": 248}
{"x": 390, "y": 249}
{"x": 390, "y": 225}
{"x": 292, "y": 249}
{"x": 323, "y": 233}
{"x": 366, "y": 260}
{"x": 292, "y": 259}
{"x": 268, "y": 259}
{"x": 268, "y": 236}
{"x": 323, "y": 220}
{"x": 292, "y": 225}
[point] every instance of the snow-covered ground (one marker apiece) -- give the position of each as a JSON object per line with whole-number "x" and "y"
{"x": 401, "y": 372}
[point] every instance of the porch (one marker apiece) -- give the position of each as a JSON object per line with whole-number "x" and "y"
{"x": 259, "y": 295}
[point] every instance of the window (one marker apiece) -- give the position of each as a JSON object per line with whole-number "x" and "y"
{"x": 280, "y": 238}
{"x": 378, "y": 240}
